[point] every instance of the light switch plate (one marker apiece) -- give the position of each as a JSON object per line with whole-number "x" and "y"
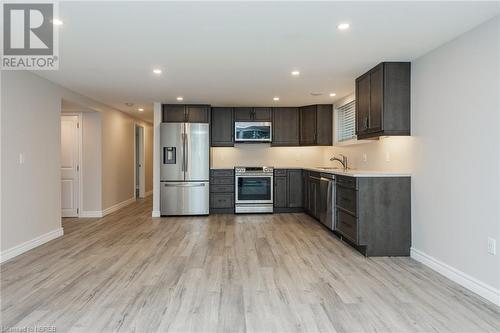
{"x": 492, "y": 246}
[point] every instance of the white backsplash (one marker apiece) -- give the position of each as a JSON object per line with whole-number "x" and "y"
{"x": 264, "y": 154}
{"x": 392, "y": 154}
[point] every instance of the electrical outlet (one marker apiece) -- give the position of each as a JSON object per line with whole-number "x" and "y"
{"x": 387, "y": 156}
{"x": 365, "y": 158}
{"x": 492, "y": 246}
{"x": 21, "y": 158}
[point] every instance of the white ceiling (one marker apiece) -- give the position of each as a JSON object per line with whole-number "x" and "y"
{"x": 242, "y": 53}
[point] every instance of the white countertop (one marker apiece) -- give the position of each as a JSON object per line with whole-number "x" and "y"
{"x": 359, "y": 173}
{"x": 342, "y": 172}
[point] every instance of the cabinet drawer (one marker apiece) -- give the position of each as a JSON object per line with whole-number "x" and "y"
{"x": 221, "y": 180}
{"x": 347, "y": 225}
{"x": 346, "y": 181}
{"x": 346, "y": 199}
{"x": 280, "y": 172}
{"x": 222, "y": 188}
{"x": 222, "y": 200}
{"x": 222, "y": 172}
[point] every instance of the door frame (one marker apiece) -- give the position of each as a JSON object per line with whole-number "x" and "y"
{"x": 80, "y": 157}
{"x": 142, "y": 170}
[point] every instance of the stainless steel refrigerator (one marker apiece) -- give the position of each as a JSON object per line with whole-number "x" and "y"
{"x": 184, "y": 173}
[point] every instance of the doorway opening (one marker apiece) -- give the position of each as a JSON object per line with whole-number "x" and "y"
{"x": 140, "y": 188}
{"x": 71, "y": 156}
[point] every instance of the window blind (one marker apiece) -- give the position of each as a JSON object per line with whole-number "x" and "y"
{"x": 346, "y": 122}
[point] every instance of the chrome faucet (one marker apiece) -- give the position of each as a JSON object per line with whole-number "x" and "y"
{"x": 342, "y": 161}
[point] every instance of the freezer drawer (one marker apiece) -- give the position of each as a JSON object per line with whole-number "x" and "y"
{"x": 184, "y": 198}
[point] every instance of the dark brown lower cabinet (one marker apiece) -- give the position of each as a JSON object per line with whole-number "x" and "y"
{"x": 374, "y": 214}
{"x": 295, "y": 191}
{"x": 280, "y": 192}
{"x": 222, "y": 191}
{"x": 287, "y": 190}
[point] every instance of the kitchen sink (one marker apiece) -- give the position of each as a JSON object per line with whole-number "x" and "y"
{"x": 328, "y": 168}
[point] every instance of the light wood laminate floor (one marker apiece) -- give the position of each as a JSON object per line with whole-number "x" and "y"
{"x": 224, "y": 273}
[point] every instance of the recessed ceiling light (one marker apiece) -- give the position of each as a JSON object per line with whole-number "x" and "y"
{"x": 157, "y": 71}
{"x": 333, "y": 94}
{"x": 57, "y": 22}
{"x": 276, "y": 98}
{"x": 180, "y": 98}
{"x": 140, "y": 109}
{"x": 343, "y": 26}
{"x": 129, "y": 104}
{"x": 295, "y": 73}
{"x": 315, "y": 93}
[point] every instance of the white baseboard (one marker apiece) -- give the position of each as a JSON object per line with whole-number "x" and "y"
{"x": 31, "y": 244}
{"x": 147, "y": 194}
{"x": 91, "y": 213}
{"x": 463, "y": 279}
{"x": 155, "y": 213}
{"x": 118, "y": 206}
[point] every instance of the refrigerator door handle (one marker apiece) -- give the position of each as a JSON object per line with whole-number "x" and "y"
{"x": 186, "y": 152}
{"x": 183, "y": 151}
{"x": 184, "y": 185}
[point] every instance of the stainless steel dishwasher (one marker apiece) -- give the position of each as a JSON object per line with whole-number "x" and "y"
{"x": 327, "y": 200}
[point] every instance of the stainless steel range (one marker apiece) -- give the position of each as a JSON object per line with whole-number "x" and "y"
{"x": 253, "y": 189}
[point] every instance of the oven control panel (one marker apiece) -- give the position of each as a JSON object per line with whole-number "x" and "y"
{"x": 254, "y": 170}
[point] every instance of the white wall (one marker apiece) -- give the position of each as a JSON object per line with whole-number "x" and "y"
{"x": 92, "y": 162}
{"x": 118, "y": 159}
{"x": 31, "y": 194}
{"x": 156, "y": 159}
{"x": 455, "y": 124}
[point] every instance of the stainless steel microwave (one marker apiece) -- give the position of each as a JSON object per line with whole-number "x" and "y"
{"x": 252, "y": 131}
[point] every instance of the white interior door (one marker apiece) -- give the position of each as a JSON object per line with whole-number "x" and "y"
{"x": 69, "y": 166}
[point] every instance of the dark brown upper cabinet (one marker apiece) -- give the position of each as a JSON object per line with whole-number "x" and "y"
{"x": 262, "y": 114}
{"x": 285, "y": 126}
{"x": 174, "y": 113}
{"x": 191, "y": 113}
{"x": 222, "y": 127}
{"x": 383, "y": 101}
{"x": 316, "y": 124}
{"x": 252, "y": 114}
{"x": 243, "y": 114}
{"x": 198, "y": 113}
